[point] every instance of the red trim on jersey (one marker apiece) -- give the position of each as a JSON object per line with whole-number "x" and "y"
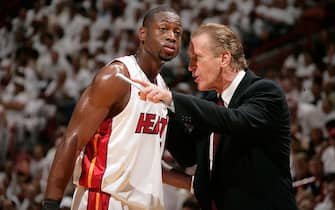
{"x": 95, "y": 157}
{"x": 97, "y": 200}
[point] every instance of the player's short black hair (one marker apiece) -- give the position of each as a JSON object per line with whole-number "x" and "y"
{"x": 151, "y": 13}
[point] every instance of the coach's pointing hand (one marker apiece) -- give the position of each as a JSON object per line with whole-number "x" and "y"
{"x": 153, "y": 93}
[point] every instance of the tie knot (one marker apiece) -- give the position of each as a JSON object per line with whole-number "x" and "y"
{"x": 219, "y": 101}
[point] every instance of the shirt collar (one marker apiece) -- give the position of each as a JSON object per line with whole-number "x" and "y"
{"x": 227, "y": 94}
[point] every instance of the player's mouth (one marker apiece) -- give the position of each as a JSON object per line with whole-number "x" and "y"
{"x": 169, "y": 49}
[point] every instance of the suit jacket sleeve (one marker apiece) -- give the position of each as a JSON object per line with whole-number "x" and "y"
{"x": 182, "y": 139}
{"x": 259, "y": 107}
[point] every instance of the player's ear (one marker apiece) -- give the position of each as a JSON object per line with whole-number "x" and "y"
{"x": 141, "y": 34}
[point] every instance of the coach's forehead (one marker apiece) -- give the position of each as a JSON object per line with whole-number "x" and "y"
{"x": 167, "y": 16}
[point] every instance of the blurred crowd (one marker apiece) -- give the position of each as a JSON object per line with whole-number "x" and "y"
{"x": 51, "y": 49}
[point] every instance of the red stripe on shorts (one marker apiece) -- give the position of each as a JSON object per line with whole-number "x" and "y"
{"x": 97, "y": 200}
{"x": 95, "y": 156}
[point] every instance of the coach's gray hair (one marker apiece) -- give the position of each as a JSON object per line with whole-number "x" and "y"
{"x": 224, "y": 39}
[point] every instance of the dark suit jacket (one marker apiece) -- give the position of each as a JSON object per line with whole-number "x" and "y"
{"x": 251, "y": 167}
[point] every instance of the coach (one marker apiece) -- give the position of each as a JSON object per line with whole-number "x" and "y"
{"x": 248, "y": 168}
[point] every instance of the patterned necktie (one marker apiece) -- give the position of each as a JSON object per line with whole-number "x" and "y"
{"x": 216, "y": 135}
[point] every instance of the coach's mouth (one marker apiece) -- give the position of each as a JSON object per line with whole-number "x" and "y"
{"x": 195, "y": 78}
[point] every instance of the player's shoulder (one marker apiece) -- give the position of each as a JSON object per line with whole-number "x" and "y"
{"x": 114, "y": 67}
{"x": 105, "y": 83}
{"x": 106, "y": 89}
{"x": 107, "y": 74}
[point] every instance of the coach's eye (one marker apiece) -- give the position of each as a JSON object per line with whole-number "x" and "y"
{"x": 177, "y": 33}
{"x": 163, "y": 29}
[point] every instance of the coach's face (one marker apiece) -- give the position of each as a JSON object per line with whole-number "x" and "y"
{"x": 204, "y": 64}
{"x": 162, "y": 38}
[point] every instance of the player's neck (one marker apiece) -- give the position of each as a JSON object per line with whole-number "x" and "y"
{"x": 151, "y": 69}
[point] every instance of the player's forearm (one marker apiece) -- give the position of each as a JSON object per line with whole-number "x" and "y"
{"x": 177, "y": 179}
{"x": 61, "y": 170}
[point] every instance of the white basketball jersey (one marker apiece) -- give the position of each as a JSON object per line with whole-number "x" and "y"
{"x": 123, "y": 158}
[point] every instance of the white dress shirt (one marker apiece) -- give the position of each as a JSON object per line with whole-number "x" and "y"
{"x": 228, "y": 93}
{"x": 226, "y": 96}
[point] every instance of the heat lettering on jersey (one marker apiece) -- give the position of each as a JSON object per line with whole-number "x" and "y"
{"x": 151, "y": 124}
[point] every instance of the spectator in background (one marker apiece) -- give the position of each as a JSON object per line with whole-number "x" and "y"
{"x": 305, "y": 200}
{"x": 4, "y": 136}
{"x": 14, "y": 99}
{"x": 315, "y": 167}
{"x": 300, "y": 167}
{"x": 328, "y": 154}
{"x": 328, "y": 202}
{"x": 316, "y": 143}
{"x": 330, "y": 55}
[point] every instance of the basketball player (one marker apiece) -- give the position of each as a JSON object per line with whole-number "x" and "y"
{"x": 114, "y": 141}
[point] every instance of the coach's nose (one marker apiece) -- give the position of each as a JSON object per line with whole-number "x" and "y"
{"x": 192, "y": 64}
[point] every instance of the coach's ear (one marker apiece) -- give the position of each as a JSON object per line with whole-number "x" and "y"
{"x": 141, "y": 34}
{"x": 225, "y": 59}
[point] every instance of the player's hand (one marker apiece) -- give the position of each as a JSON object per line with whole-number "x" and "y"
{"x": 153, "y": 93}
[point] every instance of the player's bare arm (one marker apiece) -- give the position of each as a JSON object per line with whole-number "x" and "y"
{"x": 177, "y": 179}
{"x": 105, "y": 97}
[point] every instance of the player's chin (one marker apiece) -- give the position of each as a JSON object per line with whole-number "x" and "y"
{"x": 167, "y": 57}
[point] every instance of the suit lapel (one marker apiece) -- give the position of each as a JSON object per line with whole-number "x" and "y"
{"x": 225, "y": 143}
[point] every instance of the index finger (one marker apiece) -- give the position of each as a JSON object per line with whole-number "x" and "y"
{"x": 141, "y": 82}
